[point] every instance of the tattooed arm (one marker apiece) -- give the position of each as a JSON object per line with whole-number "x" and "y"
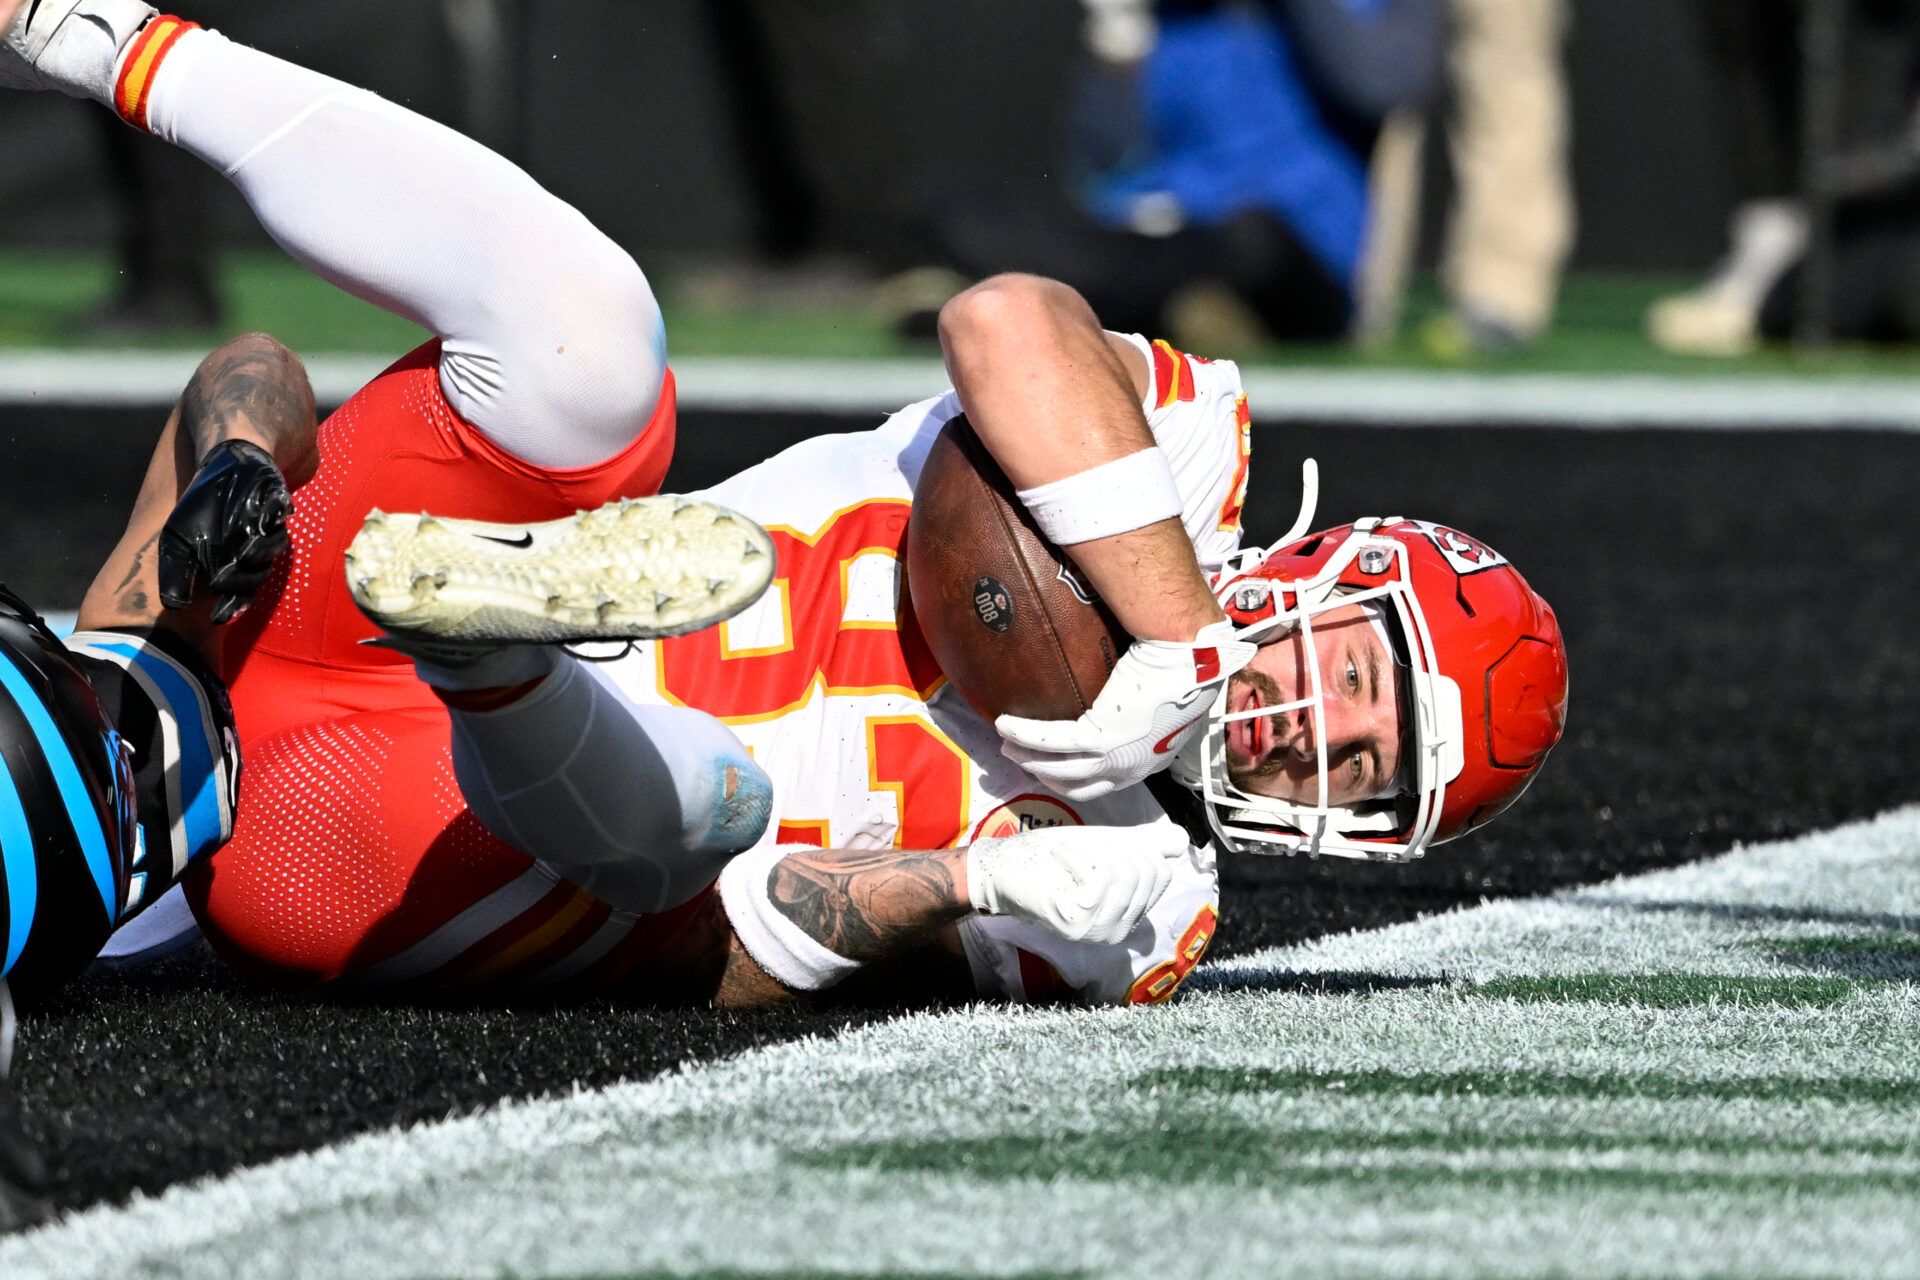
{"x": 894, "y": 910}
{"x": 252, "y": 390}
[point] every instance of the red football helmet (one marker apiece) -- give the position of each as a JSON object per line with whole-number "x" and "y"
{"x": 1482, "y": 684}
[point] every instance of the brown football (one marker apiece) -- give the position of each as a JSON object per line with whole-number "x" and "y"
{"x": 1010, "y": 620}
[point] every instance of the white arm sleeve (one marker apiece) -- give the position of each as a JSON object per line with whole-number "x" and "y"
{"x": 552, "y": 340}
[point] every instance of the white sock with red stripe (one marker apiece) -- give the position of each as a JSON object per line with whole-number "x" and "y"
{"x": 167, "y": 41}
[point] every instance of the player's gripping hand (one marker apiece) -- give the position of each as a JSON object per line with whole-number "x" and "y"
{"x": 226, "y": 531}
{"x": 1155, "y": 699}
{"x": 1087, "y": 884}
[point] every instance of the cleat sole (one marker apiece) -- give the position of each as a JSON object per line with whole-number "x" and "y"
{"x": 635, "y": 569}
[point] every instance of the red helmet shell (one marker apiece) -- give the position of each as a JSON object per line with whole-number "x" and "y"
{"x": 1500, "y": 642}
{"x": 1491, "y": 634}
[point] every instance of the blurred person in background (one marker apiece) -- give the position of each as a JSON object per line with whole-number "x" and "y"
{"x": 1755, "y": 59}
{"x": 1217, "y": 168}
{"x": 1752, "y": 50}
{"x": 1511, "y": 224}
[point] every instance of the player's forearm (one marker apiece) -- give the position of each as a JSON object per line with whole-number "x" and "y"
{"x": 1052, "y": 395}
{"x": 1150, "y": 580}
{"x": 866, "y": 904}
{"x": 250, "y": 389}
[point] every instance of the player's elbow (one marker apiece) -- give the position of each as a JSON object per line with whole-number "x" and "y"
{"x": 1007, "y": 314}
{"x": 263, "y": 345}
{"x": 261, "y": 352}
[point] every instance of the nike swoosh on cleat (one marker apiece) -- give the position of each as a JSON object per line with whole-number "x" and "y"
{"x": 1165, "y": 744}
{"x": 31, "y": 10}
{"x": 522, "y": 542}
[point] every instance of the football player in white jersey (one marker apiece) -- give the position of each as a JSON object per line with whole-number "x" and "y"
{"x": 1314, "y": 697}
{"x": 905, "y": 834}
{"x": 1333, "y": 695}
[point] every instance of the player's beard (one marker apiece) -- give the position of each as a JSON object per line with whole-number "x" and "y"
{"x": 1275, "y": 761}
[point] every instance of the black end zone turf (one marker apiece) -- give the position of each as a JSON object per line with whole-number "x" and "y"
{"x": 1740, "y": 611}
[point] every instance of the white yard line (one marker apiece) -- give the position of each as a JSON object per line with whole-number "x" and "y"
{"x": 1409, "y": 1125}
{"x": 1355, "y": 396}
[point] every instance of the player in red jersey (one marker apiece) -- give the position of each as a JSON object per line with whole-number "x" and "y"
{"x": 545, "y": 392}
{"x": 358, "y": 855}
{"x": 1378, "y": 688}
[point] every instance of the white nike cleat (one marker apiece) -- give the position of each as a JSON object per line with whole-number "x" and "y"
{"x": 69, "y": 45}
{"x": 636, "y": 569}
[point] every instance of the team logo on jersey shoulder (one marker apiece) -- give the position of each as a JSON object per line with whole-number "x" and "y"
{"x": 1026, "y": 813}
{"x": 1466, "y": 555}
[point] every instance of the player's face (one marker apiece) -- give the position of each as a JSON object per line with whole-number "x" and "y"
{"x": 1359, "y": 714}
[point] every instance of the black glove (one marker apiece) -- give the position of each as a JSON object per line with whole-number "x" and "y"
{"x": 227, "y": 530}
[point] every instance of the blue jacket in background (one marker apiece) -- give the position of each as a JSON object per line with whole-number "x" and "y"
{"x": 1232, "y": 126}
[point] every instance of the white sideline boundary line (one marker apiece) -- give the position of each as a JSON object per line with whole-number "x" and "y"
{"x": 1351, "y": 396}
{"x": 656, "y": 1174}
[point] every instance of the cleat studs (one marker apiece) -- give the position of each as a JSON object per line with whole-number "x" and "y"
{"x": 716, "y": 585}
{"x": 661, "y": 600}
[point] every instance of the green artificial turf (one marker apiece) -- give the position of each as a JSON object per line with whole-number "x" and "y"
{"x": 45, "y": 295}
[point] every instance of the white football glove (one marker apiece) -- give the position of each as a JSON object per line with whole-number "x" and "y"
{"x": 1155, "y": 700}
{"x": 1087, "y": 884}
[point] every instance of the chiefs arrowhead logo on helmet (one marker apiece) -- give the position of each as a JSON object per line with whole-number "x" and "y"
{"x": 1466, "y": 555}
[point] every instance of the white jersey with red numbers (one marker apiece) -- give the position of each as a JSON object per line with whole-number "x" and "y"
{"x": 828, "y": 682}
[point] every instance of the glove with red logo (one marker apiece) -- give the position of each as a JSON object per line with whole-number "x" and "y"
{"x": 1155, "y": 699}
